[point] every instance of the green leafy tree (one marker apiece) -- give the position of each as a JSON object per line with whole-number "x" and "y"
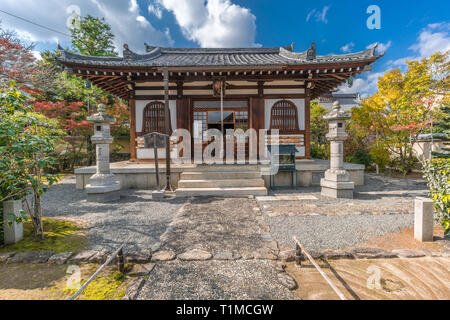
{"x": 27, "y": 146}
{"x": 93, "y": 37}
{"x": 443, "y": 126}
{"x": 319, "y": 128}
{"x": 403, "y": 107}
{"x": 437, "y": 173}
{"x": 58, "y": 92}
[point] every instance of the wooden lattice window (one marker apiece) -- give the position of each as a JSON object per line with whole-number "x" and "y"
{"x": 155, "y": 118}
{"x": 284, "y": 117}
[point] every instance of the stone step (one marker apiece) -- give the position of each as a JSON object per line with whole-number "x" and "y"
{"x": 218, "y": 175}
{"x": 221, "y": 192}
{"x": 221, "y": 183}
{"x": 225, "y": 168}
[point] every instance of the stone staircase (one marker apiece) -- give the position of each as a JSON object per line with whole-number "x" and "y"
{"x": 221, "y": 180}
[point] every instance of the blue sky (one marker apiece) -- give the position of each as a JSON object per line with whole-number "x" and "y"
{"x": 409, "y": 29}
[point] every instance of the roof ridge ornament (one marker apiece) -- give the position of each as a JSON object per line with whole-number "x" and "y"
{"x": 148, "y": 48}
{"x": 128, "y": 55}
{"x": 62, "y": 52}
{"x": 311, "y": 52}
{"x": 373, "y": 49}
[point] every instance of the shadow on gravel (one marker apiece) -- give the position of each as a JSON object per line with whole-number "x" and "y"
{"x": 135, "y": 215}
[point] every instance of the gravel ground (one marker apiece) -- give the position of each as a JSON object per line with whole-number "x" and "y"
{"x": 383, "y": 205}
{"x": 135, "y": 215}
{"x": 214, "y": 280}
{"x": 216, "y": 225}
{"x": 334, "y": 232}
{"x": 379, "y": 195}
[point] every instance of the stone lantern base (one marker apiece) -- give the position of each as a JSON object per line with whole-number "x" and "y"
{"x": 337, "y": 184}
{"x": 103, "y": 188}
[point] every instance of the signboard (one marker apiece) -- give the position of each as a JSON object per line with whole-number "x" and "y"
{"x": 149, "y": 138}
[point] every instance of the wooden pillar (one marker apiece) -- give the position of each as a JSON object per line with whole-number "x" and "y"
{"x": 132, "y": 106}
{"x": 256, "y": 117}
{"x": 167, "y": 125}
{"x": 184, "y": 115}
{"x": 308, "y": 123}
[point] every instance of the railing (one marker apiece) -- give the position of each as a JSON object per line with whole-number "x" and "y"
{"x": 298, "y": 259}
{"x": 120, "y": 263}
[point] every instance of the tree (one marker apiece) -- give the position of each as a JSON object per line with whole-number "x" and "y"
{"x": 403, "y": 107}
{"x": 319, "y": 128}
{"x": 442, "y": 126}
{"x": 437, "y": 173}
{"x": 93, "y": 37}
{"x": 16, "y": 59}
{"x": 27, "y": 146}
{"x": 70, "y": 99}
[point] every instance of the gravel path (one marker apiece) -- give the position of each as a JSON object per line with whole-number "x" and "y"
{"x": 215, "y": 225}
{"x": 135, "y": 215}
{"x": 334, "y": 232}
{"x": 215, "y": 280}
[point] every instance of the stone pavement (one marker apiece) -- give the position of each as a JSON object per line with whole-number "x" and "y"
{"x": 216, "y": 249}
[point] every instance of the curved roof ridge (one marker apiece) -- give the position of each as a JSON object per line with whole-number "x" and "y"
{"x": 254, "y": 50}
{"x": 369, "y": 53}
{"x": 194, "y": 57}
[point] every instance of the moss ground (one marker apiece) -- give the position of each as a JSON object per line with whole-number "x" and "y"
{"x": 49, "y": 282}
{"x": 59, "y": 236}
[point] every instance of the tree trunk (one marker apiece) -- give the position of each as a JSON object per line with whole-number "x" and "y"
{"x": 36, "y": 216}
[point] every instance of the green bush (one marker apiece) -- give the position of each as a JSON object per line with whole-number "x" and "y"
{"x": 2, "y": 239}
{"x": 320, "y": 151}
{"x": 361, "y": 157}
{"x": 437, "y": 173}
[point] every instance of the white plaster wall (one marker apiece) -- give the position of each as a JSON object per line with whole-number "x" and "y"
{"x": 140, "y": 105}
{"x": 299, "y": 103}
{"x": 242, "y": 91}
{"x": 148, "y": 153}
{"x": 154, "y": 92}
{"x": 284, "y": 91}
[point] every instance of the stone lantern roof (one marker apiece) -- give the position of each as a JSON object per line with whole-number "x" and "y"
{"x": 337, "y": 113}
{"x": 101, "y": 116}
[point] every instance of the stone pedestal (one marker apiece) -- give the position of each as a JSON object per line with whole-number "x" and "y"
{"x": 103, "y": 186}
{"x": 13, "y": 233}
{"x": 157, "y": 195}
{"x": 423, "y": 219}
{"x": 337, "y": 182}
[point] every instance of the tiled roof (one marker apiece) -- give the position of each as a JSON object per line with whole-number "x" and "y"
{"x": 196, "y": 57}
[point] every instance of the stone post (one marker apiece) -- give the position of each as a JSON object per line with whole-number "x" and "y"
{"x": 13, "y": 233}
{"x": 423, "y": 219}
{"x": 103, "y": 186}
{"x": 337, "y": 183}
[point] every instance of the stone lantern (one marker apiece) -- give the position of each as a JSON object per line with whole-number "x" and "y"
{"x": 337, "y": 183}
{"x": 103, "y": 186}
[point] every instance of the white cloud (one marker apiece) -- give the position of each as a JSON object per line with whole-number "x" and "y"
{"x": 214, "y": 23}
{"x": 318, "y": 15}
{"x": 348, "y": 47}
{"x": 143, "y": 21}
{"x": 382, "y": 47}
{"x": 133, "y": 6}
{"x": 127, "y": 24}
{"x": 435, "y": 37}
{"x": 365, "y": 86}
{"x": 155, "y": 9}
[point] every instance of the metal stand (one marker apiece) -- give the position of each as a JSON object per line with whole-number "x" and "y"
{"x": 155, "y": 143}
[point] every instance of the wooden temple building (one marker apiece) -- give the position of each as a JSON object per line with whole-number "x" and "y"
{"x": 259, "y": 88}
